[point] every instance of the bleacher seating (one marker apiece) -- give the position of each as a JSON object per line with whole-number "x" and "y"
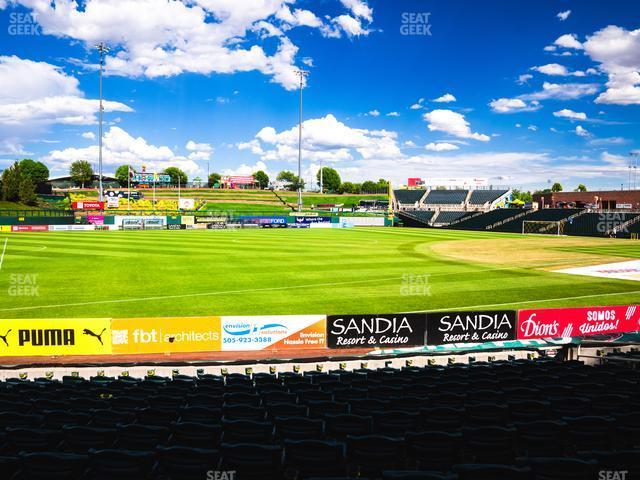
{"x": 408, "y": 197}
{"x": 481, "y": 222}
{"x": 445, "y": 217}
{"x": 596, "y": 224}
{"x": 445, "y": 197}
{"x": 480, "y": 197}
{"x": 416, "y": 218}
{"x": 546, "y": 215}
{"x": 534, "y": 420}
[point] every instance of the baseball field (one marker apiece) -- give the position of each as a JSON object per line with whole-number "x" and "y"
{"x": 282, "y": 271}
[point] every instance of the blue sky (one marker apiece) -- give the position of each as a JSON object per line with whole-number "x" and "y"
{"x": 519, "y": 93}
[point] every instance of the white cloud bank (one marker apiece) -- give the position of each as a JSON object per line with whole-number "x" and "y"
{"x": 453, "y": 123}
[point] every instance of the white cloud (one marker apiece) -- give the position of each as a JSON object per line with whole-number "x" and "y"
{"x": 533, "y": 128}
{"x": 359, "y": 8}
{"x": 618, "y": 52}
{"x": 446, "y": 98}
{"x": 560, "y": 70}
{"x": 199, "y": 151}
{"x": 524, "y": 78}
{"x": 452, "y": 123}
{"x": 582, "y": 132}
{"x": 119, "y": 148}
{"x": 89, "y": 135}
{"x": 247, "y": 170}
{"x": 511, "y": 105}
{"x": 609, "y": 141}
{"x": 566, "y": 113}
{"x": 393, "y": 114}
{"x": 441, "y": 147}
{"x": 563, "y": 15}
{"x": 568, "y": 40}
{"x": 409, "y": 143}
{"x": 563, "y": 91}
{"x": 373, "y": 113}
{"x": 162, "y": 38}
{"x": 37, "y": 94}
{"x": 324, "y": 139}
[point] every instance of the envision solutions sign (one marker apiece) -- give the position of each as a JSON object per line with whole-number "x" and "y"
{"x": 378, "y": 330}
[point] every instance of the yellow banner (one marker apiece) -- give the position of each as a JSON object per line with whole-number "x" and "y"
{"x": 165, "y": 335}
{"x": 55, "y": 337}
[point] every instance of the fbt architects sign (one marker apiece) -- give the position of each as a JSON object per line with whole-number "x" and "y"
{"x": 471, "y": 327}
{"x": 378, "y": 330}
{"x": 577, "y": 322}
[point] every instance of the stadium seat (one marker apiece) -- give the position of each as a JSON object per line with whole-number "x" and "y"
{"x": 433, "y": 450}
{"x": 32, "y": 439}
{"x": 252, "y": 461}
{"x": 243, "y": 412}
{"x": 107, "y": 418}
{"x": 489, "y": 444}
{"x": 51, "y": 466}
{"x": 395, "y": 423}
{"x": 369, "y": 455}
{"x": 338, "y": 427}
{"x": 416, "y": 475}
{"x": 140, "y": 437}
{"x": 110, "y": 464}
{"x": 541, "y": 438}
{"x": 200, "y": 414}
{"x": 185, "y": 463}
{"x": 246, "y": 431}
{"x": 192, "y": 434}
{"x": 79, "y": 439}
{"x": 298, "y": 428}
{"x": 492, "y": 472}
{"x": 560, "y": 468}
{"x": 308, "y": 458}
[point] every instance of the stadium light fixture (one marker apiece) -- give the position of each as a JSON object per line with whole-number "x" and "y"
{"x": 302, "y": 74}
{"x": 103, "y": 50}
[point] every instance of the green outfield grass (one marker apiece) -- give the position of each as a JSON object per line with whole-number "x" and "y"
{"x": 207, "y": 272}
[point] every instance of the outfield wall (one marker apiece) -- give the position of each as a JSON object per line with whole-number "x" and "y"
{"x": 394, "y": 333}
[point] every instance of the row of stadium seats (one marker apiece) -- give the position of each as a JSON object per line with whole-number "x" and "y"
{"x": 481, "y": 222}
{"x": 446, "y": 197}
{"x": 445, "y": 217}
{"x": 526, "y": 416}
{"x": 477, "y": 198}
{"x": 543, "y": 215}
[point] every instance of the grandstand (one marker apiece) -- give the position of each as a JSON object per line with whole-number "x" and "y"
{"x": 436, "y": 198}
{"x": 408, "y": 199}
{"x": 511, "y": 419}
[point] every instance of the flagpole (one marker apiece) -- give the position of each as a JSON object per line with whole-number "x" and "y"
{"x": 129, "y": 189}
{"x": 154, "y": 190}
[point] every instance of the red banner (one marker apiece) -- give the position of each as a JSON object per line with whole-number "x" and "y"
{"x": 29, "y": 228}
{"x": 92, "y": 205}
{"x": 577, "y": 322}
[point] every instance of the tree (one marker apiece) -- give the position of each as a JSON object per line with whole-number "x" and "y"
{"x": 369, "y": 187}
{"x": 330, "y": 179}
{"x": 81, "y": 172}
{"x": 292, "y": 181}
{"x": 556, "y": 187}
{"x": 262, "y": 178}
{"x": 177, "y": 176}
{"x": 581, "y": 188}
{"x": 11, "y": 178}
{"x": 347, "y": 187}
{"x": 520, "y": 195}
{"x": 213, "y": 179}
{"x": 36, "y": 171}
{"x": 27, "y": 191}
{"x": 122, "y": 175}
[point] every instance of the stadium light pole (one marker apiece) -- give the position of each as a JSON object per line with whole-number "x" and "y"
{"x": 302, "y": 74}
{"x": 103, "y": 50}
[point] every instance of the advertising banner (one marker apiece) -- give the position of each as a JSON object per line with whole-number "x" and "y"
{"x": 88, "y": 205}
{"x": 29, "y": 228}
{"x": 151, "y": 177}
{"x": 577, "y": 322}
{"x": 165, "y": 335}
{"x": 278, "y": 332}
{"x": 470, "y": 327}
{"x": 113, "y": 202}
{"x": 209, "y": 219}
{"x": 186, "y": 204}
{"x": 96, "y": 219}
{"x": 71, "y": 228}
{"x": 308, "y": 219}
{"x": 59, "y": 336}
{"x": 188, "y": 219}
{"x": 377, "y": 330}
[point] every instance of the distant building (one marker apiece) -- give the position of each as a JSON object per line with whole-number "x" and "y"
{"x": 108, "y": 181}
{"x": 608, "y": 199}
